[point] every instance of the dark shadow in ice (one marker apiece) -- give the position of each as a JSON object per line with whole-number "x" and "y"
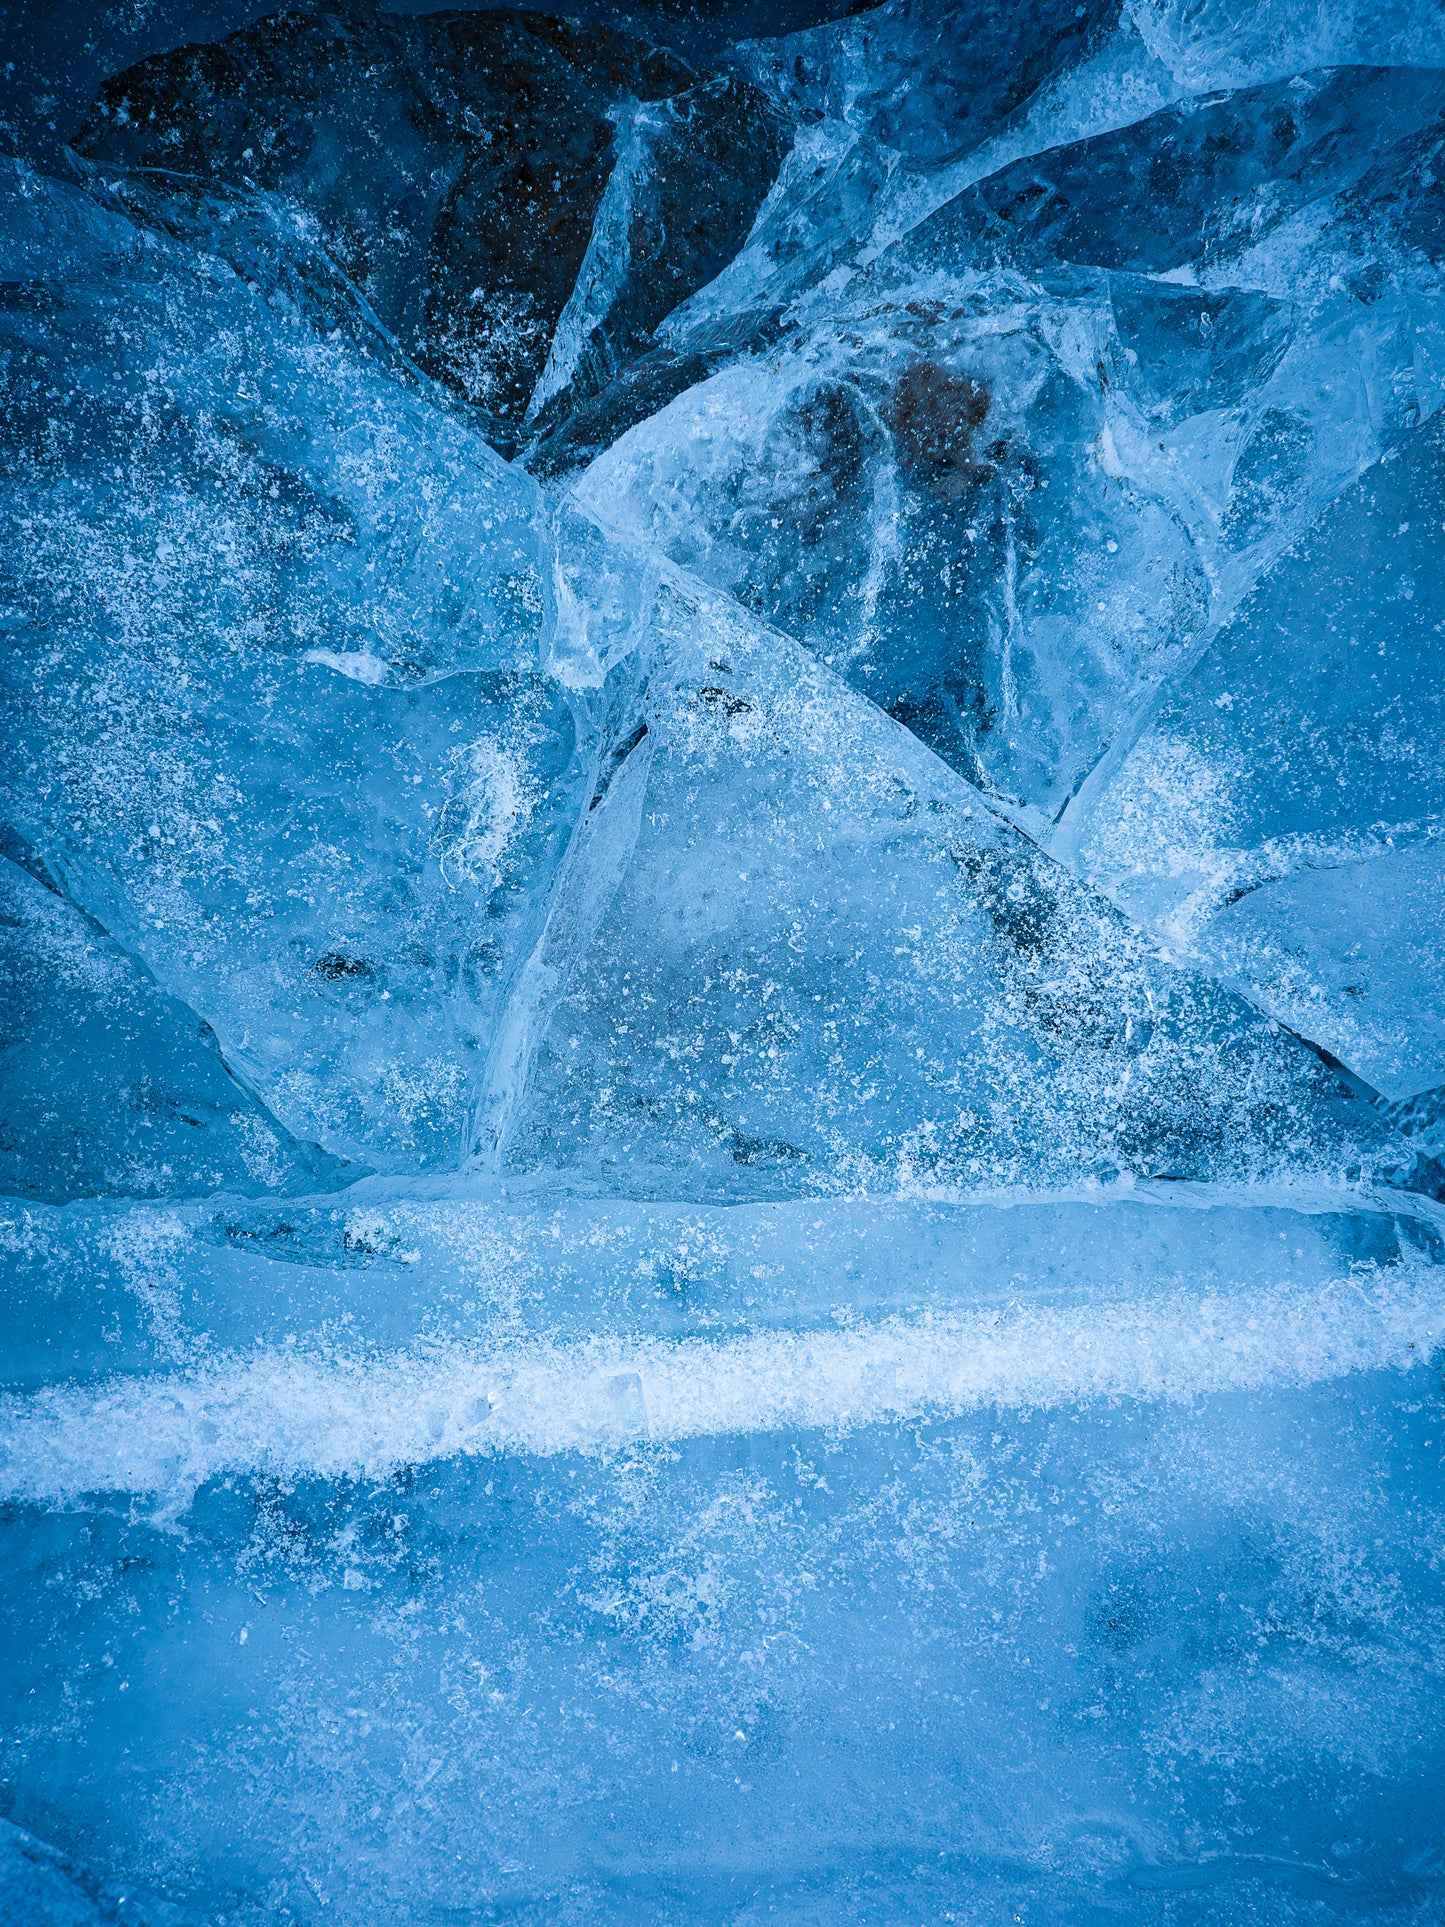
{"x": 112, "y": 1085}
{"x": 455, "y": 164}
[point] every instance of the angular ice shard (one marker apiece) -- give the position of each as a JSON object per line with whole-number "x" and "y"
{"x": 1278, "y": 813}
{"x": 1009, "y": 507}
{"x": 1215, "y": 43}
{"x": 1349, "y": 954}
{"x": 1187, "y": 187}
{"x": 274, "y": 687}
{"x": 689, "y": 173}
{"x": 415, "y": 144}
{"x": 863, "y": 168}
{"x": 935, "y": 504}
{"x": 794, "y": 953}
{"x": 876, "y": 152}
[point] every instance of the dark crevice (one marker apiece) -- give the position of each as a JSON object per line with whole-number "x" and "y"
{"x": 26, "y": 857}
{"x": 614, "y": 763}
{"x": 1353, "y": 1082}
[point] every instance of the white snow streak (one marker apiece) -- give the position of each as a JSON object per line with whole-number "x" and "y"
{"x": 289, "y": 1413}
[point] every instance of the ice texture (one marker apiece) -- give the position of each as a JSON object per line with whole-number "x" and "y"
{"x": 722, "y": 1005}
{"x": 1289, "y": 782}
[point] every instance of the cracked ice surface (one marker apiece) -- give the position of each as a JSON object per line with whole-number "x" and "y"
{"x": 723, "y": 1000}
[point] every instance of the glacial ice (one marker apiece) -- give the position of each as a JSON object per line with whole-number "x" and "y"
{"x": 721, "y": 994}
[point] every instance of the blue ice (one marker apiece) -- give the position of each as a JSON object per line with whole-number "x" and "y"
{"x": 723, "y": 1020}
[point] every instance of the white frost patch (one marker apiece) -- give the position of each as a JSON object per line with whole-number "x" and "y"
{"x": 260, "y": 1149}
{"x": 491, "y": 802}
{"x": 291, "y": 1414}
{"x": 1172, "y": 815}
{"x": 358, "y": 665}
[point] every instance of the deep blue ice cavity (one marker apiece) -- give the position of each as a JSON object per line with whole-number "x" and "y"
{"x": 722, "y": 994}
